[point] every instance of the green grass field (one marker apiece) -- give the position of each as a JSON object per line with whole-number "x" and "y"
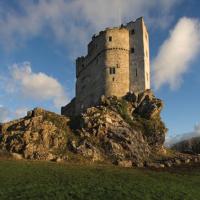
{"x": 44, "y": 180}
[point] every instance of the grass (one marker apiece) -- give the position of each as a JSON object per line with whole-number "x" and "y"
{"x": 44, "y": 180}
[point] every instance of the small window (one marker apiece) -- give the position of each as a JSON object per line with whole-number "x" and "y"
{"x": 113, "y": 79}
{"x": 136, "y": 73}
{"x": 112, "y": 70}
{"x": 82, "y": 65}
{"x": 147, "y": 76}
{"x": 110, "y": 38}
{"x": 132, "y": 50}
{"x": 132, "y": 32}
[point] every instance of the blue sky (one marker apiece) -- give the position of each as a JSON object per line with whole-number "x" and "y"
{"x": 40, "y": 39}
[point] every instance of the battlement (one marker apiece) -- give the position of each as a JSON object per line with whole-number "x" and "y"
{"x": 117, "y": 62}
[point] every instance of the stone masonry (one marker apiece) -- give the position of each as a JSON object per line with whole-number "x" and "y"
{"x": 117, "y": 62}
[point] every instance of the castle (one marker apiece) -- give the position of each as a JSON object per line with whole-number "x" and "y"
{"x": 117, "y": 62}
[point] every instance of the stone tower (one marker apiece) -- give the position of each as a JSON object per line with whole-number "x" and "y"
{"x": 117, "y": 62}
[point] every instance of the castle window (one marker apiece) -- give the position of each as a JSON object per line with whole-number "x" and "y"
{"x": 110, "y": 38}
{"x": 112, "y": 70}
{"x": 82, "y": 65}
{"x": 132, "y": 32}
{"x": 147, "y": 76}
{"x": 132, "y": 50}
{"x": 113, "y": 79}
{"x": 136, "y": 72}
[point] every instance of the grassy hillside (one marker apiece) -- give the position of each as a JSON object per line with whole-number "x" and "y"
{"x": 44, "y": 180}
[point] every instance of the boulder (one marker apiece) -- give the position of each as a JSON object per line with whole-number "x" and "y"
{"x": 125, "y": 163}
{"x": 37, "y": 136}
{"x": 17, "y": 156}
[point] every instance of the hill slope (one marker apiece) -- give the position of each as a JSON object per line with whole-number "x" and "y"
{"x": 190, "y": 145}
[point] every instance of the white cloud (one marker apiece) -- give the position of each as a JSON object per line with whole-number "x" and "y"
{"x": 176, "y": 53}
{"x": 73, "y": 21}
{"x": 36, "y": 86}
{"x": 181, "y": 137}
{"x": 4, "y": 114}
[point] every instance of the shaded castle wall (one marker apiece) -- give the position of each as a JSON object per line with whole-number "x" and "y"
{"x": 90, "y": 84}
{"x": 69, "y": 109}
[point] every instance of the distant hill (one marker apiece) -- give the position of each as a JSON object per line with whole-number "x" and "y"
{"x": 190, "y": 145}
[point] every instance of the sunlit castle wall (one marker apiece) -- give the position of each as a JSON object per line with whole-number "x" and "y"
{"x": 105, "y": 69}
{"x": 139, "y": 56}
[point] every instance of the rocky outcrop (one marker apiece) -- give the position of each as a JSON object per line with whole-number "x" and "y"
{"x": 115, "y": 139}
{"x": 126, "y": 131}
{"x": 41, "y": 135}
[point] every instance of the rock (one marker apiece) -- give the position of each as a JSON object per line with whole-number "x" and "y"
{"x": 125, "y": 163}
{"x": 36, "y": 136}
{"x": 149, "y": 108}
{"x": 139, "y": 164}
{"x": 155, "y": 165}
{"x": 177, "y": 161}
{"x": 187, "y": 161}
{"x": 59, "y": 160}
{"x": 162, "y": 166}
{"x": 17, "y": 156}
{"x": 168, "y": 163}
{"x": 131, "y": 97}
{"x": 51, "y": 157}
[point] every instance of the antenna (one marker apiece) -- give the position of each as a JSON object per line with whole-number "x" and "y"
{"x": 119, "y": 11}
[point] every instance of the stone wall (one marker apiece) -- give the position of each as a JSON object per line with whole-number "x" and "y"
{"x": 69, "y": 109}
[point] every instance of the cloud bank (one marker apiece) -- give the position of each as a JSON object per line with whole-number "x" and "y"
{"x": 181, "y": 137}
{"x": 71, "y": 22}
{"x": 176, "y": 53}
{"x": 35, "y": 86}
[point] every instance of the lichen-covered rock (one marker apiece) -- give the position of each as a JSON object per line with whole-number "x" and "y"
{"x": 37, "y": 136}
